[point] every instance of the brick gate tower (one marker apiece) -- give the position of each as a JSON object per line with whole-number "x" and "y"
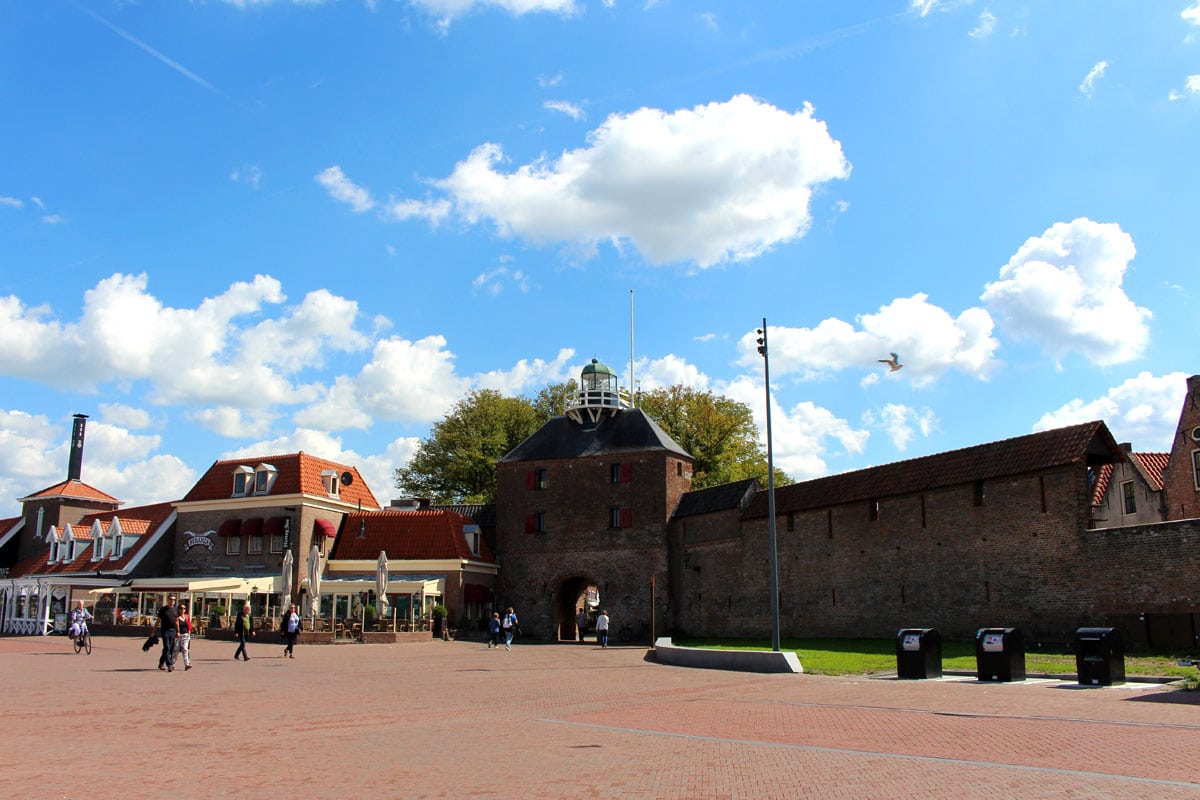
{"x": 583, "y": 504}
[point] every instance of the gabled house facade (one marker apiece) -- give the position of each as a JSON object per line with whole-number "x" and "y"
{"x": 1181, "y": 481}
{"x": 89, "y": 559}
{"x": 1129, "y": 492}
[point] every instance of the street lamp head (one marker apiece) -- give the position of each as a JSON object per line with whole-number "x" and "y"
{"x": 762, "y": 341}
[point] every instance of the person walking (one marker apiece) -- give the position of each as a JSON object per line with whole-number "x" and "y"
{"x": 509, "y": 626}
{"x": 581, "y": 624}
{"x": 168, "y": 629}
{"x": 241, "y": 627}
{"x": 602, "y": 628}
{"x": 291, "y": 629}
{"x": 185, "y": 635}
{"x": 494, "y": 630}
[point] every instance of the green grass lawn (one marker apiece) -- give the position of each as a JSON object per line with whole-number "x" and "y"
{"x": 875, "y": 656}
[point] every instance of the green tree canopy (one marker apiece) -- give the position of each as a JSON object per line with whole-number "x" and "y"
{"x": 457, "y": 462}
{"x": 719, "y": 433}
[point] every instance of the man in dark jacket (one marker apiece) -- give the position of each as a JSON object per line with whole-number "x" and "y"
{"x": 168, "y": 629}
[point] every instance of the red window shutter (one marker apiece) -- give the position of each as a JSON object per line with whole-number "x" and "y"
{"x": 531, "y": 523}
{"x": 531, "y": 480}
{"x": 626, "y": 473}
{"x": 626, "y": 517}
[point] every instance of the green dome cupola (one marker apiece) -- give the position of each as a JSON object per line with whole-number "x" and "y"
{"x": 598, "y": 393}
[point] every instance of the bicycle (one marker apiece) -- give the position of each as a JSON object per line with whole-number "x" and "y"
{"x": 83, "y": 641}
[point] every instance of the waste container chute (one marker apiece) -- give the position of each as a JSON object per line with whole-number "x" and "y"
{"x": 999, "y": 654}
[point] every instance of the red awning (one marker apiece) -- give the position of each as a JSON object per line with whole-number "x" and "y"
{"x": 230, "y": 527}
{"x": 324, "y": 526}
{"x": 252, "y": 526}
{"x": 273, "y": 526}
{"x": 475, "y": 593}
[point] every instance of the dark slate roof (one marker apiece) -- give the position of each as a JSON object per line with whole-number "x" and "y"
{"x": 629, "y": 430}
{"x": 727, "y": 496}
{"x": 1089, "y": 443}
{"x": 484, "y": 514}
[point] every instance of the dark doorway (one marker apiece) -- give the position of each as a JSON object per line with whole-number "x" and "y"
{"x": 570, "y": 597}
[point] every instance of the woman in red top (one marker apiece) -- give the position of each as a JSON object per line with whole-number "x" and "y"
{"x": 185, "y": 635}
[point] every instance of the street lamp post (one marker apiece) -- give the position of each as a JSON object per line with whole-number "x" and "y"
{"x": 762, "y": 351}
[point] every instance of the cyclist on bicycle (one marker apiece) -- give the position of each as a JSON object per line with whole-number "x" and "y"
{"x": 79, "y": 618}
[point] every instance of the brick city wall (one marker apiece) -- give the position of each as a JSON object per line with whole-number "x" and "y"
{"x": 937, "y": 560}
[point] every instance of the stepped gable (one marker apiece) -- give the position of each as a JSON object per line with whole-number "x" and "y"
{"x": 72, "y": 489}
{"x": 407, "y": 535}
{"x": 1089, "y": 443}
{"x": 717, "y": 498}
{"x": 629, "y": 430}
{"x": 296, "y": 473}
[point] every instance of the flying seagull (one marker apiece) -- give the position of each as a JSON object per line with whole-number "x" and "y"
{"x": 893, "y": 362}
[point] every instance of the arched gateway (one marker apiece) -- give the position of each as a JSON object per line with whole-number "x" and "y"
{"x": 585, "y": 501}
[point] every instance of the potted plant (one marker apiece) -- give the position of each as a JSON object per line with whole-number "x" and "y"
{"x": 214, "y": 620}
{"x": 439, "y": 620}
{"x": 368, "y": 618}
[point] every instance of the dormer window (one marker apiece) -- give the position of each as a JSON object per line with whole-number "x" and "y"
{"x": 329, "y": 478}
{"x": 264, "y": 478}
{"x": 243, "y": 479}
{"x": 471, "y": 532}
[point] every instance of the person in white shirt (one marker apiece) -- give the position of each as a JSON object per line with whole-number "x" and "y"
{"x": 602, "y": 628}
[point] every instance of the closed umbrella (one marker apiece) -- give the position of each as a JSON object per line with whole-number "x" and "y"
{"x": 314, "y": 579}
{"x": 285, "y": 589}
{"x": 381, "y": 582}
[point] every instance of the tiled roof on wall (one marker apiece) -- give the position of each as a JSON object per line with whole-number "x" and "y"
{"x": 725, "y": 497}
{"x": 296, "y": 473}
{"x": 416, "y": 535}
{"x": 1089, "y": 442}
{"x": 1153, "y": 465}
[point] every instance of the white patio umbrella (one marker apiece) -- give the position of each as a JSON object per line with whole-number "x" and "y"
{"x": 381, "y": 582}
{"x": 314, "y": 580}
{"x": 285, "y": 590}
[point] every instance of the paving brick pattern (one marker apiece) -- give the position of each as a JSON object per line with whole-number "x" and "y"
{"x": 457, "y": 720}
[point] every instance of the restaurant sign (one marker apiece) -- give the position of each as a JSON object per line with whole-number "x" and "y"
{"x": 198, "y": 540}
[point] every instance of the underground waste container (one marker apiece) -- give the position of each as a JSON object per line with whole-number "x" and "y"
{"x": 918, "y": 653}
{"x": 1099, "y": 656}
{"x": 999, "y": 654}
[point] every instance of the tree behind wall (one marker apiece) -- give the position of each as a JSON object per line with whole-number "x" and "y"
{"x": 457, "y": 462}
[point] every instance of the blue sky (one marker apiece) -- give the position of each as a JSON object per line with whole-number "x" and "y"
{"x": 242, "y": 228}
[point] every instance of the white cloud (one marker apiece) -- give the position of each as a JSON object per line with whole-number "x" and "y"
{"x": 901, "y": 423}
{"x": 985, "y": 27}
{"x": 923, "y": 7}
{"x": 233, "y": 423}
{"x": 1192, "y": 13}
{"x": 710, "y": 20}
{"x": 527, "y": 375}
{"x": 670, "y": 370}
{"x": 251, "y": 175}
{"x": 929, "y": 341}
{"x": 11, "y": 202}
{"x": 493, "y": 281}
{"x": 1088, "y": 87}
{"x": 563, "y": 107}
{"x": 411, "y": 381}
{"x": 1063, "y": 290}
{"x": 125, "y": 416}
{"x": 547, "y": 81}
{"x": 34, "y": 453}
{"x": 449, "y": 10}
{"x": 52, "y": 219}
{"x": 720, "y": 182}
{"x": 1143, "y": 410}
{"x": 344, "y": 190}
{"x": 432, "y": 211}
